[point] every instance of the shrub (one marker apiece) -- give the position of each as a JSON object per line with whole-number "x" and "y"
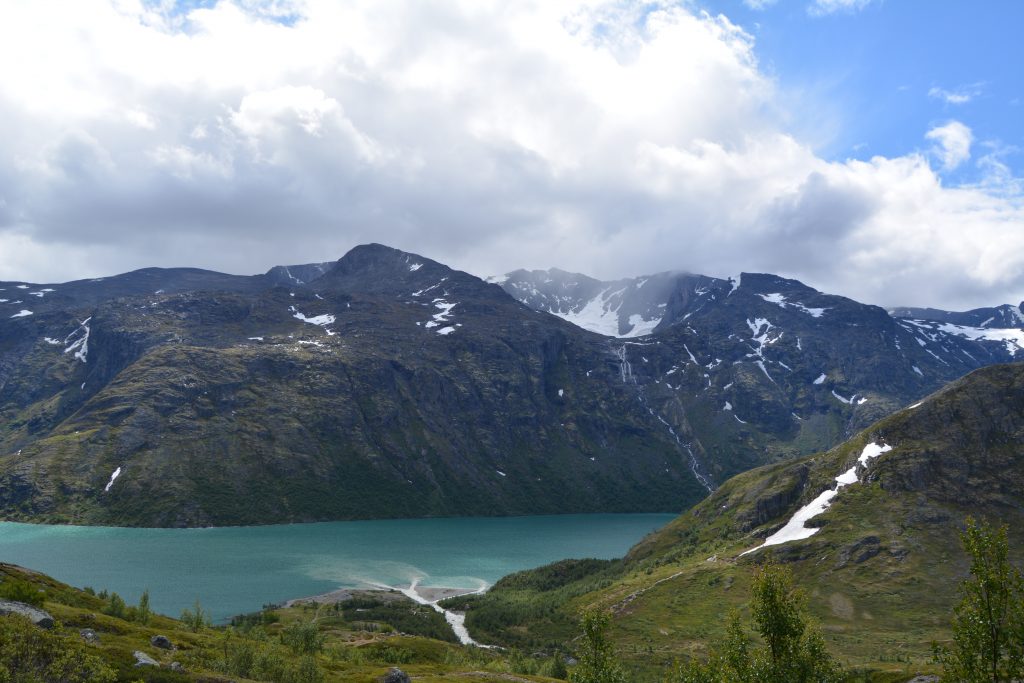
{"x": 303, "y": 637}
{"x": 28, "y": 653}
{"x": 195, "y": 619}
{"x": 21, "y": 591}
{"x": 115, "y": 606}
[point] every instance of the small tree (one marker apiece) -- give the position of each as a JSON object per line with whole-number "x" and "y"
{"x": 794, "y": 651}
{"x": 597, "y": 662}
{"x": 556, "y": 669}
{"x": 987, "y": 624}
{"x": 143, "y": 612}
{"x": 196, "y": 619}
{"x": 115, "y": 606}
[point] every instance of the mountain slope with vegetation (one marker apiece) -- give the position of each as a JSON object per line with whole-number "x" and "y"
{"x": 389, "y": 385}
{"x": 881, "y": 571}
{"x": 96, "y": 638}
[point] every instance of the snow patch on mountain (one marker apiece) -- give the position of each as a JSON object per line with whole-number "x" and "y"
{"x": 113, "y": 478}
{"x": 796, "y": 528}
{"x": 601, "y": 315}
{"x": 1012, "y": 338}
{"x": 78, "y": 341}
{"x": 321, "y": 320}
{"x": 781, "y": 301}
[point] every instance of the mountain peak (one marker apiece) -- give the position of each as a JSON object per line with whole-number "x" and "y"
{"x": 378, "y": 259}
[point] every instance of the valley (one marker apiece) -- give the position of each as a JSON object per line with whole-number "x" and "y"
{"x": 840, "y": 440}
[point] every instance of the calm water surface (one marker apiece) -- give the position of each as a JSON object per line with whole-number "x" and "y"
{"x": 232, "y": 570}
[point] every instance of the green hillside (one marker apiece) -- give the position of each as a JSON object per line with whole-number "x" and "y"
{"x": 881, "y": 574}
{"x": 359, "y": 641}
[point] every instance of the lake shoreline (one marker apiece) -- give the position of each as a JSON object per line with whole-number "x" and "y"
{"x": 233, "y": 571}
{"x": 428, "y": 593}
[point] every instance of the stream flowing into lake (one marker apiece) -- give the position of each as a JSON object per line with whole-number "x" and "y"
{"x": 232, "y": 570}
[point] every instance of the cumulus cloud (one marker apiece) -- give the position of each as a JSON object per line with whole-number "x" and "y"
{"x": 613, "y": 138}
{"x": 952, "y": 143}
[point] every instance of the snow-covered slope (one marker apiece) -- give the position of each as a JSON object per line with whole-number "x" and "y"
{"x": 622, "y": 308}
{"x": 997, "y": 317}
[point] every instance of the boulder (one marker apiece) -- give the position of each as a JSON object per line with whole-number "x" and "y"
{"x": 395, "y": 675}
{"x": 89, "y": 636}
{"x": 142, "y": 659}
{"x": 176, "y": 667}
{"x": 162, "y": 642}
{"x": 39, "y": 617}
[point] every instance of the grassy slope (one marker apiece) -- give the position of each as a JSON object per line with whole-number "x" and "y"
{"x": 354, "y": 651}
{"x": 880, "y": 576}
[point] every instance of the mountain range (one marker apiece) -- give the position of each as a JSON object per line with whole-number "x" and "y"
{"x": 389, "y": 385}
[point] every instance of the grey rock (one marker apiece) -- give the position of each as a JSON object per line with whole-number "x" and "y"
{"x": 162, "y": 642}
{"x": 89, "y": 636}
{"x": 142, "y": 659}
{"x": 176, "y": 667}
{"x": 395, "y": 675}
{"x": 39, "y": 617}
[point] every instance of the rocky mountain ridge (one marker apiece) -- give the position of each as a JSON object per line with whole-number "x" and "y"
{"x": 387, "y": 384}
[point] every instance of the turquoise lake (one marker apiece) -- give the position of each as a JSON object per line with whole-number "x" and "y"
{"x": 232, "y": 570}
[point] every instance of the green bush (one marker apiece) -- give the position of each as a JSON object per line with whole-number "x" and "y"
{"x": 303, "y": 637}
{"x": 33, "y": 655}
{"x": 21, "y": 591}
{"x": 115, "y": 606}
{"x": 793, "y": 650}
{"x": 196, "y": 619}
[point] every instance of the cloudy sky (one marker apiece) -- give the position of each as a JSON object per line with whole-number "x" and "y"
{"x": 870, "y": 148}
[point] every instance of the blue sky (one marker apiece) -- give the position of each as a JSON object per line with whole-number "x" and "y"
{"x": 879, "y": 76}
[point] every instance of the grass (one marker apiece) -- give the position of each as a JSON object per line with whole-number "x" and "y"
{"x": 352, "y": 651}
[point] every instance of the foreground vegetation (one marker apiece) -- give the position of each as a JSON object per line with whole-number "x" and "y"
{"x": 97, "y": 637}
{"x": 360, "y": 640}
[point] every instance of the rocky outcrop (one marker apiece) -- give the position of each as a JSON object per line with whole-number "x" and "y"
{"x": 162, "y": 642}
{"x": 142, "y": 659}
{"x": 40, "y": 618}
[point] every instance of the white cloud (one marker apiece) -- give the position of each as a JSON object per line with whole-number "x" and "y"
{"x": 819, "y": 8}
{"x": 759, "y": 4}
{"x": 960, "y": 95}
{"x": 952, "y": 143}
{"x": 606, "y": 137}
